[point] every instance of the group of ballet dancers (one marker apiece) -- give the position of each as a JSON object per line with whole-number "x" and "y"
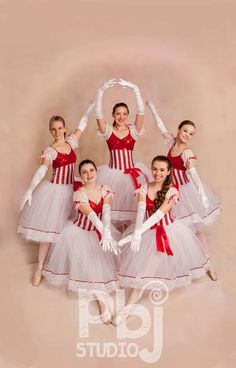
{"x": 120, "y": 225}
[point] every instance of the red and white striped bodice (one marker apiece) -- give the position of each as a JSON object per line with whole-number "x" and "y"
{"x": 82, "y": 220}
{"x": 80, "y": 198}
{"x": 167, "y": 219}
{"x": 178, "y": 170}
{"x": 121, "y": 150}
{"x": 64, "y": 168}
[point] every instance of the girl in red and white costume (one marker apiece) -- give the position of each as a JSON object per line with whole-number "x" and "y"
{"x": 198, "y": 205}
{"x": 161, "y": 248}
{"x": 81, "y": 257}
{"x": 122, "y": 174}
{"x": 47, "y": 207}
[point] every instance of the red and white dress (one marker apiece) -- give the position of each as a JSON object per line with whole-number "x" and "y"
{"x": 77, "y": 260}
{"x": 123, "y": 175}
{"x": 169, "y": 252}
{"x": 51, "y": 200}
{"x": 190, "y": 208}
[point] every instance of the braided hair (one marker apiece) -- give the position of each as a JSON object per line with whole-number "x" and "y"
{"x": 161, "y": 194}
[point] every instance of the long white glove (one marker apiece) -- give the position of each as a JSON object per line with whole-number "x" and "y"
{"x": 198, "y": 184}
{"x": 84, "y": 120}
{"x": 104, "y": 231}
{"x": 93, "y": 217}
{"x": 139, "y": 100}
{"x": 108, "y": 243}
{"x": 139, "y": 220}
{"x": 137, "y": 235}
{"x": 140, "y": 214}
{"x": 157, "y": 118}
{"x": 99, "y": 96}
{"x": 38, "y": 176}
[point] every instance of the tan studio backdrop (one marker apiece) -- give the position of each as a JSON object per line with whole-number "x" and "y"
{"x": 54, "y": 55}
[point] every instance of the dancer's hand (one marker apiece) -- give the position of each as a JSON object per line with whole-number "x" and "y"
{"x": 124, "y": 241}
{"x": 136, "y": 241}
{"x": 139, "y": 100}
{"x": 26, "y": 198}
{"x": 108, "y": 84}
{"x": 84, "y": 120}
{"x": 126, "y": 84}
{"x": 114, "y": 247}
{"x": 150, "y": 105}
{"x": 108, "y": 243}
{"x": 91, "y": 105}
{"x": 205, "y": 202}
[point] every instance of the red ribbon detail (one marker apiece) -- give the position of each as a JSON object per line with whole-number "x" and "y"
{"x": 134, "y": 173}
{"x": 162, "y": 242}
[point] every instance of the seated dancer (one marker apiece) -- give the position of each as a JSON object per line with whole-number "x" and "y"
{"x": 161, "y": 248}
{"x": 81, "y": 257}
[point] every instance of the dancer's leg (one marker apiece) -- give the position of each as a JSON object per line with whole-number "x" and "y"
{"x": 43, "y": 251}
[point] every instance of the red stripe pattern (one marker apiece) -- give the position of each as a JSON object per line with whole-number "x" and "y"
{"x": 63, "y": 174}
{"x": 121, "y": 159}
{"x": 83, "y": 222}
{"x": 178, "y": 170}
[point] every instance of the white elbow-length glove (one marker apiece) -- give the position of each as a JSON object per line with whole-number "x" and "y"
{"x": 38, "y": 176}
{"x": 136, "y": 240}
{"x": 139, "y": 220}
{"x": 139, "y": 100}
{"x": 105, "y": 233}
{"x": 136, "y": 237}
{"x": 197, "y": 182}
{"x": 99, "y": 96}
{"x": 157, "y": 118}
{"x": 108, "y": 243}
{"x": 84, "y": 120}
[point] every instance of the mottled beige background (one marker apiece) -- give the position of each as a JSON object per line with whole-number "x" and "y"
{"x": 54, "y": 54}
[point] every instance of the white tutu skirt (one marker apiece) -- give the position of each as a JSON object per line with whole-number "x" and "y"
{"x": 50, "y": 208}
{"x": 141, "y": 269}
{"x": 190, "y": 208}
{"x": 78, "y": 261}
{"x": 124, "y": 205}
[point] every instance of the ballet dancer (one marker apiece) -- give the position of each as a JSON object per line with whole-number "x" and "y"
{"x": 46, "y": 207}
{"x": 161, "y": 248}
{"x": 122, "y": 174}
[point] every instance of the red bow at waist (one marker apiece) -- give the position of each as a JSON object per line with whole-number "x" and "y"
{"x": 162, "y": 242}
{"x": 134, "y": 173}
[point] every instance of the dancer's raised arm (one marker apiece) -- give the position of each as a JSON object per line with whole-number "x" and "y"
{"x": 84, "y": 120}
{"x": 169, "y": 138}
{"x": 99, "y": 115}
{"x": 139, "y": 102}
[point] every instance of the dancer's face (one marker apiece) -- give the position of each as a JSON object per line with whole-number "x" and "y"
{"x": 57, "y": 130}
{"x": 88, "y": 173}
{"x": 120, "y": 115}
{"x": 185, "y": 133}
{"x": 160, "y": 171}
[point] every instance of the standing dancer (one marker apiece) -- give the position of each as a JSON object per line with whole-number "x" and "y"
{"x": 198, "y": 205}
{"x": 122, "y": 174}
{"x": 47, "y": 207}
{"x": 161, "y": 247}
{"x": 81, "y": 256}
